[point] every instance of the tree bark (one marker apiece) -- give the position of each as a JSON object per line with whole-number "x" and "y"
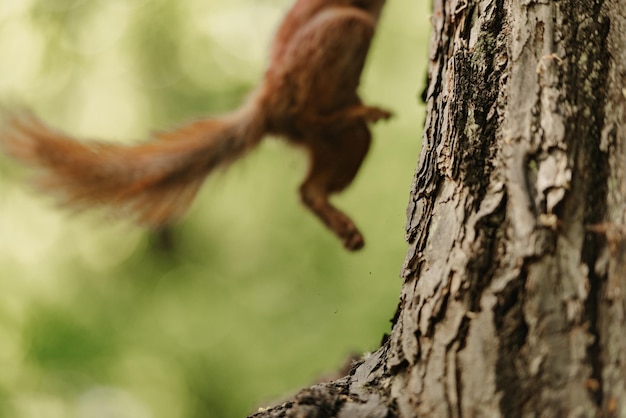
{"x": 514, "y": 296}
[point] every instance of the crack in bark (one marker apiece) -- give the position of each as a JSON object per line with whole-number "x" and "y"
{"x": 590, "y": 70}
{"x": 512, "y": 331}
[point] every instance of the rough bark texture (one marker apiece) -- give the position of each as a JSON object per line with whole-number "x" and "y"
{"x": 514, "y": 296}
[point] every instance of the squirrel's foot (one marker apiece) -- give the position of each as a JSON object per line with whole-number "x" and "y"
{"x": 353, "y": 240}
{"x": 352, "y": 113}
{"x": 373, "y": 113}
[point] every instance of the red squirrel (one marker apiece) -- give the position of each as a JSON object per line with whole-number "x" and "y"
{"x": 307, "y": 96}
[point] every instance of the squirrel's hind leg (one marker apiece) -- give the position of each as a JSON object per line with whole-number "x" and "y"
{"x": 335, "y": 161}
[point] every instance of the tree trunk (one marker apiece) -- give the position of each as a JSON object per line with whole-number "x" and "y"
{"x": 513, "y": 302}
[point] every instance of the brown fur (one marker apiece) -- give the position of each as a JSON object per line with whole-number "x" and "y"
{"x": 308, "y": 96}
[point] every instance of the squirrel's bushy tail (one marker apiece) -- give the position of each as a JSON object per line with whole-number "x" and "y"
{"x": 154, "y": 182}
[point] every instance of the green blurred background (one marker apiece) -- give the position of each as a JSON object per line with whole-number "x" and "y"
{"x": 257, "y": 298}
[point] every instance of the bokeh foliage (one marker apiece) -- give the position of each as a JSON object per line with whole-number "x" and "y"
{"x": 256, "y": 298}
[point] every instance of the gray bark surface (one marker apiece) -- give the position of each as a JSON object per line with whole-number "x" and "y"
{"x": 514, "y": 296}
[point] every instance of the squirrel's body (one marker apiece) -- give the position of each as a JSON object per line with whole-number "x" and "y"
{"x": 308, "y": 96}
